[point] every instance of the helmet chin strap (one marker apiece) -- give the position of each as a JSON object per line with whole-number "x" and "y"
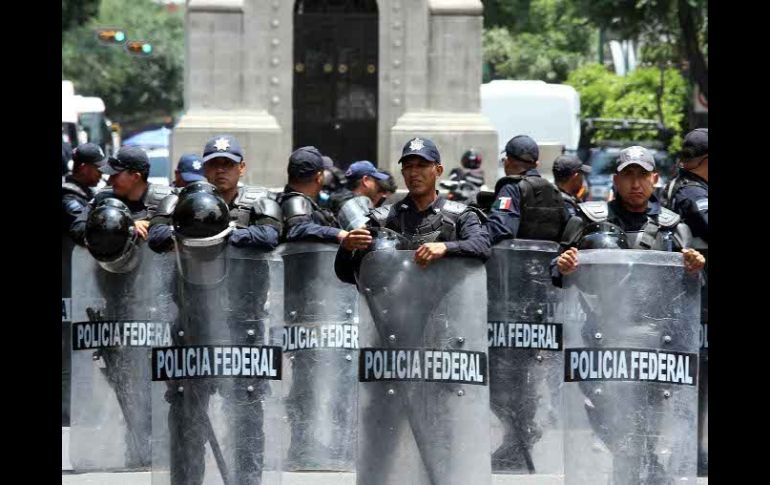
{"x": 199, "y": 242}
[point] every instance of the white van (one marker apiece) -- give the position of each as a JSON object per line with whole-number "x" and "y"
{"x": 549, "y": 113}
{"x": 69, "y": 114}
{"x": 94, "y": 123}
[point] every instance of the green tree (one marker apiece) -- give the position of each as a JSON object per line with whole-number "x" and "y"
{"x": 681, "y": 26}
{"x": 638, "y": 95}
{"x": 135, "y": 89}
{"x": 536, "y": 39}
{"x": 77, "y": 12}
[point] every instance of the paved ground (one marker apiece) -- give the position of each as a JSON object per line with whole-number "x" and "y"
{"x": 144, "y": 478}
{"x": 294, "y": 479}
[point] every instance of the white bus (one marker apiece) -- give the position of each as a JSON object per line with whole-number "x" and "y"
{"x": 549, "y": 113}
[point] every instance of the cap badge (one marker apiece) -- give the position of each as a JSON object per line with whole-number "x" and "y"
{"x": 416, "y": 144}
{"x": 196, "y": 165}
{"x": 222, "y": 144}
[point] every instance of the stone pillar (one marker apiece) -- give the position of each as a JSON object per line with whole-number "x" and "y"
{"x": 226, "y": 87}
{"x": 442, "y": 86}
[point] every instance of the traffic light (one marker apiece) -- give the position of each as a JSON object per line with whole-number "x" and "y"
{"x": 139, "y": 48}
{"x": 111, "y": 36}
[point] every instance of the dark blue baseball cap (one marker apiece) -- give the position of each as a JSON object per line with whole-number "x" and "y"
{"x": 128, "y": 158}
{"x": 304, "y": 162}
{"x": 90, "y": 153}
{"x": 223, "y": 146}
{"x": 695, "y": 144}
{"x": 421, "y": 147}
{"x": 522, "y": 148}
{"x": 364, "y": 167}
{"x": 190, "y": 168}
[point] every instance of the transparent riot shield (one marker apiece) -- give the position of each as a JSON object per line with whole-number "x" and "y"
{"x": 631, "y": 369}
{"x": 423, "y": 381}
{"x": 66, "y": 326}
{"x": 320, "y": 344}
{"x": 703, "y": 379}
{"x": 526, "y": 363}
{"x": 117, "y": 318}
{"x": 216, "y": 404}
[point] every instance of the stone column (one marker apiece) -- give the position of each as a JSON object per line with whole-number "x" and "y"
{"x": 226, "y": 87}
{"x": 442, "y": 93}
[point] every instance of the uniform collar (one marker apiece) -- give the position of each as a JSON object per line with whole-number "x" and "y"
{"x": 532, "y": 172}
{"x": 653, "y": 207}
{"x": 692, "y": 176}
{"x": 408, "y": 204}
{"x": 71, "y": 179}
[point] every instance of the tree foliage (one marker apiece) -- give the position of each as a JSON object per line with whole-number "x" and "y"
{"x": 134, "y": 89}
{"x": 604, "y": 94}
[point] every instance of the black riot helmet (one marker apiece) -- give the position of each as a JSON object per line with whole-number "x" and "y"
{"x": 109, "y": 230}
{"x": 200, "y": 211}
{"x": 471, "y": 159}
{"x": 603, "y": 235}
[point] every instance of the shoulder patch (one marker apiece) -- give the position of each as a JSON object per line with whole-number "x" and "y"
{"x": 596, "y": 210}
{"x": 668, "y": 218}
{"x": 454, "y": 207}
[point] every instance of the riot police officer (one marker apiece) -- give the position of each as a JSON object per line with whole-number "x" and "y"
{"x": 188, "y": 170}
{"x": 303, "y": 218}
{"x": 636, "y": 211}
{"x": 77, "y": 188}
{"x": 76, "y": 191}
{"x": 128, "y": 183}
{"x": 633, "y": 220}
{"x": 688, "y": 193}
{"x": 364, "y": 192}
{"x": 389, "y": 187}
{"x": 221, "y": 298}
{"x": 434, "y": 226}
{"x": 568, "y": 173}
{"x": 254, "y": 210}
{"x": 526, "y": 205}
{"x": 335, "y": 183}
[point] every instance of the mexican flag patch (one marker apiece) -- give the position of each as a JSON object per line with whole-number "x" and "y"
{"x": 502, "y": 203}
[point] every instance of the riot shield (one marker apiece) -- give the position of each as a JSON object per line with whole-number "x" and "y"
{"x": 423, "y": 381}
{"x": 354, "y": 213}
{"x": 117, "y": 318}
{"x": 217, "y": 412}
{"x": 66, "y": 326}
{"x": 320, "y": 344}
{"x": 525, "y": 358}
{"x": 703, "y": 377}
{"x": 631, "y": 369}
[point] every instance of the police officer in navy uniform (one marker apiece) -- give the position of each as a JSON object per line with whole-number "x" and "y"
{"x": 366, "y": 188}
{"x": 335, "y": 182}
{"x": 78, "y": 187}
{"x": 688, "y": 193}
{"x": 188, "y": 170}
{"x": 568, "y": 173}
{"x": 434, "y": 226}
{"x": 304, "y": 219}
{"x": 688, "y": 196}
{"x": 254, "y": 210}
{"x": 76, "y": 191}
{"x": 128, "y": 173}
{"x": 635, "y": 211}
{"x": 526, "y": 205}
